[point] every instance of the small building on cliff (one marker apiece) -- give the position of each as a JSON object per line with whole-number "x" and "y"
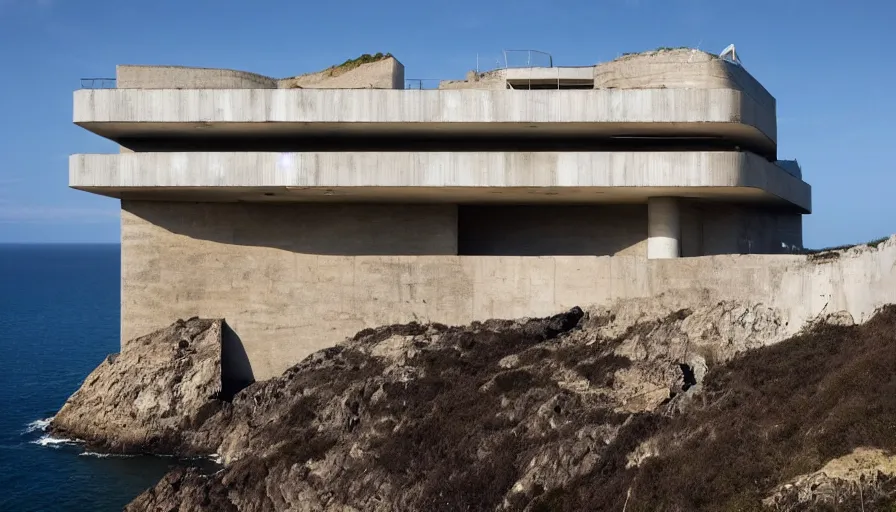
{"x": 304, "y": 209}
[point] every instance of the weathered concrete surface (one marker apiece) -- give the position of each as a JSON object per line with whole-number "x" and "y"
{"x": 152, "y": 396}
{"x": 412, "y": 106}
{"x": 181, "y": 77}
{"x": 384, "y": 74}
{"x": 607, "y": 177}
{"x": 684, "y": 68}
{"x": 117, "y": 113}
{"x": 287, "y": 290}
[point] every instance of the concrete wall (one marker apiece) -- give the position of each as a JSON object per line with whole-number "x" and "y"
{"x": 603, "y": 230}
{"x": 744, "y": 229}
{"x": 179, "y": 77}
{"x": 281, "y": 277}
{"x": 384, "y": 74}
{"x": 712, "y": 228}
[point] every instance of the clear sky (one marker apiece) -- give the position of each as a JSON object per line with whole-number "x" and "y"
{"x": 830, "y": 64}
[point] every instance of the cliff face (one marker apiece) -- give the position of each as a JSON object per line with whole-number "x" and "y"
{"x": 151, "y": 397}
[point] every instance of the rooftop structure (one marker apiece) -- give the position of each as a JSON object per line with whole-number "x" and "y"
{"x": 344, "y": 197}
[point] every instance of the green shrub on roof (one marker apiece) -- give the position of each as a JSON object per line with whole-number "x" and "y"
{"x": 359, "y": 61}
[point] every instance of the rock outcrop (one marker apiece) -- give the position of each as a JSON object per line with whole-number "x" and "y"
{"x": 152, "y": 396}
{"x": 864, "y": 472}
{"x": 637, "y": 407}
{"x": 485, "y": 417}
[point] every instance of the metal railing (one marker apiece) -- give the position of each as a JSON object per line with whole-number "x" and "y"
{"x": 422, "y": 83}
{"x": 97, "y": 83}
{"x": 513, "y": 59}
{"x": 527, "y": 59}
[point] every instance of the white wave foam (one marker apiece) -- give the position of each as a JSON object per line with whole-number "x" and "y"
{"x": 103, "y": 455}
{"x": 217, "y": 459}
{"x": 36, "y": 425}
{"x": 53, "y": 442}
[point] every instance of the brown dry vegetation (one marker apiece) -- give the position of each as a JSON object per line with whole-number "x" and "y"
{"x": 764, "y": 418}
{"x": 484, "y": 418}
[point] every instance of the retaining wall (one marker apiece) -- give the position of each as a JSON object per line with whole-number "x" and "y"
{"x": 289, "y": 284}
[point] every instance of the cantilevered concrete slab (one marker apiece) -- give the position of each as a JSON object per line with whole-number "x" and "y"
{"x": 715, "y": 113}
{"x": 572, "y": 177}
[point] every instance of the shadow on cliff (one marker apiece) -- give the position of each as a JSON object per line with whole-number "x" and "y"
{"x": 236, "y": 371}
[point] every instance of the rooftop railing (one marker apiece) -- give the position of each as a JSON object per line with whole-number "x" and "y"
{"x": 97, "y": 83}
{"x": 422, "y": 83}
{"x": 527, "y": 59}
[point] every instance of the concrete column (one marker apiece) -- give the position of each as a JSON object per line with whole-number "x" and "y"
{"x": 663, "y": 228}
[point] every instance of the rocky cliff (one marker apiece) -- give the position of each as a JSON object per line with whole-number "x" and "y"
{"x": 153, "y": 396}
{"x": 635, "y": 407}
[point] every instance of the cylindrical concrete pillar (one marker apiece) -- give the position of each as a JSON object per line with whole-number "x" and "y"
{"x": 663, "y": 228}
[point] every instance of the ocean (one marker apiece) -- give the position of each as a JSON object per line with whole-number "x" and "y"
{"x": 59, "y": 317}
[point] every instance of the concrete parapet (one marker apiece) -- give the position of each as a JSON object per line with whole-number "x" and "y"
{"x": 179, "y": 77}
{"x": 680, "y": 68}
{"x": 686, "y": 69}
{"x": 387, "y": 73}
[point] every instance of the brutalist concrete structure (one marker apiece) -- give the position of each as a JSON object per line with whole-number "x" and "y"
{"x": 304, "y": 209}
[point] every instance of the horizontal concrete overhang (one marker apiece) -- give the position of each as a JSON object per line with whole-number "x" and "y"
{"x": 545, "y": 73}
{"x": 456, "y": 177}
{"x": 558, "y": 76}
{"x": 133, "y": 113}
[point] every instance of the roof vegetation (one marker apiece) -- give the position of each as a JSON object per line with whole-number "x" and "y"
{"x": 350, "y": 64}
{"x": 667, "y": 49}
{"x": 830, "y": 253}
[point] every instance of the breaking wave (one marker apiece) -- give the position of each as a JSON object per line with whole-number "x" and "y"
{"x": 37, "y": 425}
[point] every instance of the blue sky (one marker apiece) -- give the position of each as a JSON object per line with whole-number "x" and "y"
{"x": 830, "y": 64}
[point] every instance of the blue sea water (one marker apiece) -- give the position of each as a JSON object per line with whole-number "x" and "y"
{"x": 59, "y": 317}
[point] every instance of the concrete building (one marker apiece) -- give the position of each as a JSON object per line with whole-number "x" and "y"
{"x": 304, "y": 209}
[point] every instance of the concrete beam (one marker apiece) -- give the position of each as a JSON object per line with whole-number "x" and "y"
{"x": 544, "y": 73}
{"x": 441, "y": 176}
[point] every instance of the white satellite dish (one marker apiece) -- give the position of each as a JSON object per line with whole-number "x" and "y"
{"x": 730, "y": 54}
